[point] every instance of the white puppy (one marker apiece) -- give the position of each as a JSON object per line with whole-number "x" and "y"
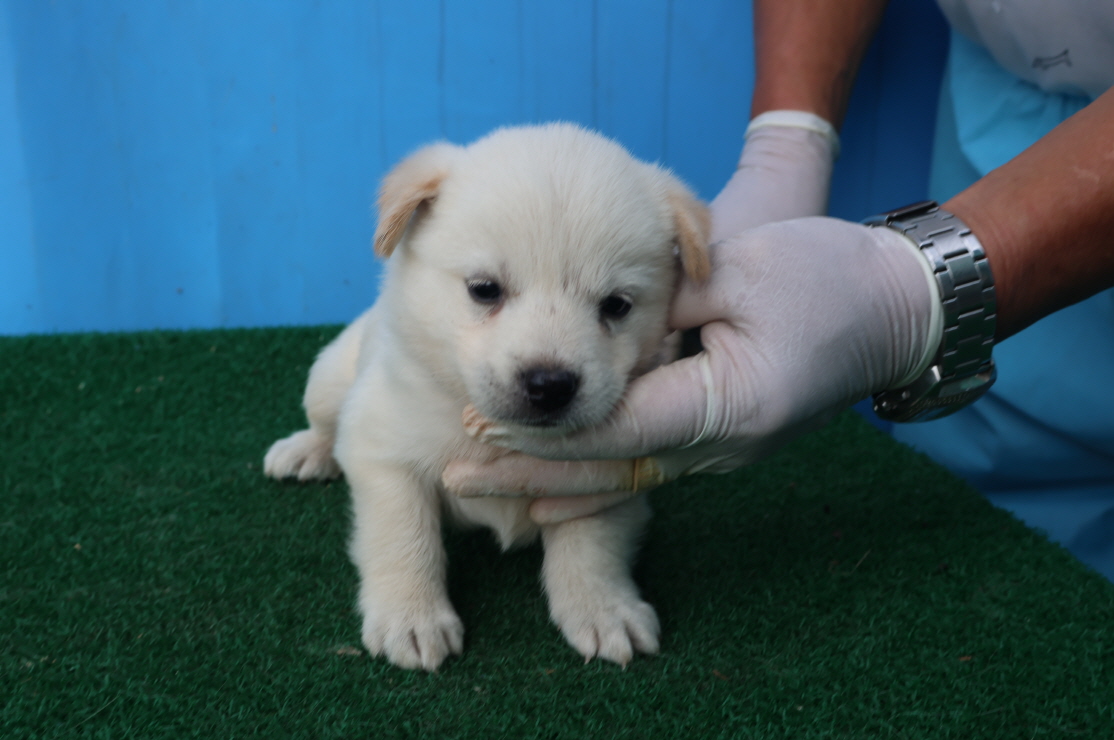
{"x": 530, "y": 276}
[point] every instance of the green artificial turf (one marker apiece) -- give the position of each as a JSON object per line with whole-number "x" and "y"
{"x": 155, "y": 584}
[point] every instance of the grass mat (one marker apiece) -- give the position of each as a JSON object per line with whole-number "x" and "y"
{"x": 157, "y": 585}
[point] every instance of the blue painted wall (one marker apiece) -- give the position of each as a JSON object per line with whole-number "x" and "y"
{"x": 205, "y": 163}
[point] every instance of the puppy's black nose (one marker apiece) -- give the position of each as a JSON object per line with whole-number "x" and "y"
{"x": 549, "y": 390}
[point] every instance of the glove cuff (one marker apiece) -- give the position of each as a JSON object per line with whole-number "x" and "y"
{"x": 796, "y": 119}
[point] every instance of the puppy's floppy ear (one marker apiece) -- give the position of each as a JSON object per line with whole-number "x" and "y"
{"x": 693, "y": 226}
{"x": 413, "y": 182}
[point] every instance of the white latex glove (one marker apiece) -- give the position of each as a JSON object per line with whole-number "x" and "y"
{"x": 784, "y": 172}
{"x": 800, "y": 320}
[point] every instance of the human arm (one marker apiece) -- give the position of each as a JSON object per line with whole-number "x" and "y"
{"x": 806, "y": 55}
{"x": 1045, "y": 220}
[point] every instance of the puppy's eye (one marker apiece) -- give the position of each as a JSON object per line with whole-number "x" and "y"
{"x": 485, "y": 291}
{"x": 615, "y": 307}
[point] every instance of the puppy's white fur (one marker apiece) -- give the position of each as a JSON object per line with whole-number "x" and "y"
{"x": 560, "y": 219}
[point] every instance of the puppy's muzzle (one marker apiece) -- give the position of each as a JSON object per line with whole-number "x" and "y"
{"x": 549, "y": 391}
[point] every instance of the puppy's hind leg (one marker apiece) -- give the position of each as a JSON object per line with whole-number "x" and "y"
{"x": 592, "y": 597}
{"x": 308, "y": 454}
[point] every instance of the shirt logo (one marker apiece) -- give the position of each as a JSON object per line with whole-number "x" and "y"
{"x": 1043, "y": 63}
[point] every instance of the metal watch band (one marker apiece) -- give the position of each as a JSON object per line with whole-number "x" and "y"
{"x": 962, "y": 369}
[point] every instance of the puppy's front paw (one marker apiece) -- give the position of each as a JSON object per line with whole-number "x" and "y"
{"x": 305, "y": 455}
{"x": 611, "y": 626}
{"x": 413, "y": 635}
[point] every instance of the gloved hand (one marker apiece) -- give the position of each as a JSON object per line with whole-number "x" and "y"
{"x": 800, "y": 319}
{"x": 784, "y": 172}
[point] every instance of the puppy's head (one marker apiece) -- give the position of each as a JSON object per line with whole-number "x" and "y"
{"x": 534, "y": 268}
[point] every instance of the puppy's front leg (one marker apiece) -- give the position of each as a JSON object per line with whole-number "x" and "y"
{"x": 397, "y": 547}
{"x": 592, "y": 597}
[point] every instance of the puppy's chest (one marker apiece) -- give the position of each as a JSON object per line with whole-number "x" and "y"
{"x": 425, "y": 439}
{"x": 508, "y": 518}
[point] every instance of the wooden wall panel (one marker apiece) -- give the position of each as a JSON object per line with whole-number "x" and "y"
{"x": 195, "y": 163}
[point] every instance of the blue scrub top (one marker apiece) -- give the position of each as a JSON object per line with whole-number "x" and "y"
{"x": 1041, "y": 442}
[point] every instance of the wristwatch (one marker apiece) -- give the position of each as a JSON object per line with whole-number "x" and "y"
{"x": 962, "y": 369}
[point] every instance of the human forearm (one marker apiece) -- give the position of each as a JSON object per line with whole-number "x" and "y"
{"x": 808, "y": 53}
{"x": 1046, "y": 219}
